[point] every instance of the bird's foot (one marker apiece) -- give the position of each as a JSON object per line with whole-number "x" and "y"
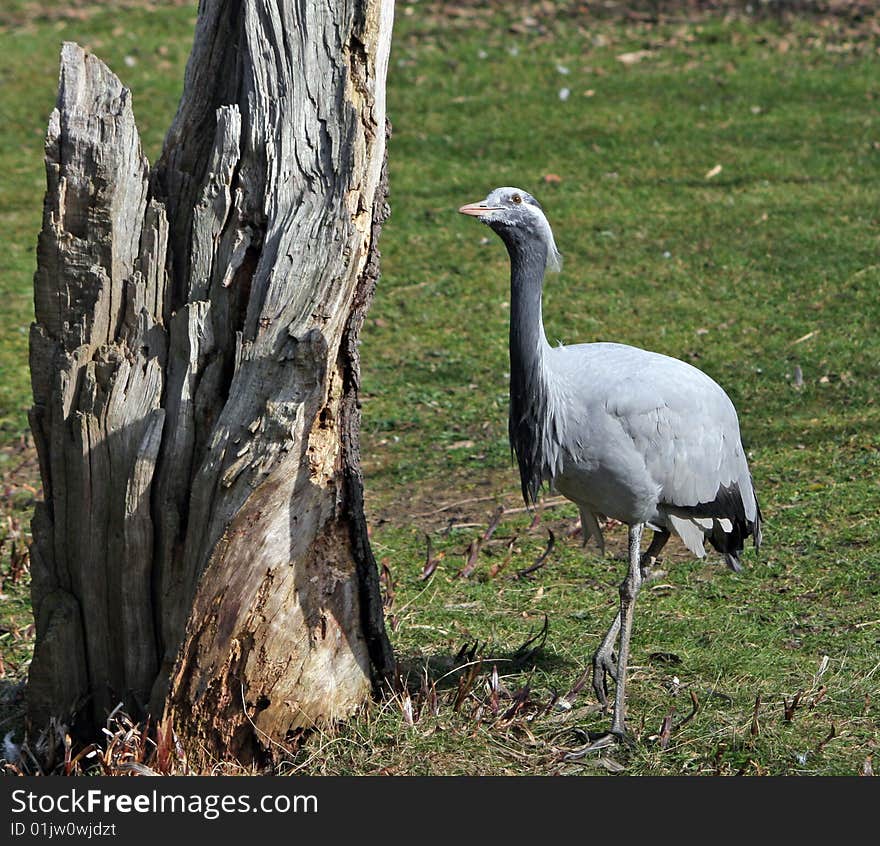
{"x": 604, "y": 666}
{"x": 651, "y": 572}
{"x": 597, "y": 742}
{"x": 621, "y": 735}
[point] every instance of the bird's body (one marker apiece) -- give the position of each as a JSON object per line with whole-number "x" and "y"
{"x": 640, "y": 437}
{"x": 620, "y": 431}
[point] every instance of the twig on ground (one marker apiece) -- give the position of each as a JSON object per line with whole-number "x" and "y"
{"x": 449, "y": 505}
{"x": 542, "y": 560}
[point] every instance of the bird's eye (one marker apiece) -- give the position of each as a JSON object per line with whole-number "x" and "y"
{"x": 516, "y": 198}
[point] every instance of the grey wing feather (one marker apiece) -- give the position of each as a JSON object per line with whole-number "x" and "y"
{"x": 685, "y": 429}
{"x": 693, "y": 448}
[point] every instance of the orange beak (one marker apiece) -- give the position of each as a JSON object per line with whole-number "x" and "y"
{"x": 478, "y": 209}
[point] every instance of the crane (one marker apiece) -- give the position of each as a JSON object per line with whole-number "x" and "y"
{"x": 620, "y": 431}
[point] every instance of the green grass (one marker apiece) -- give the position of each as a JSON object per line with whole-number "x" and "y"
{"x": 147, "y": 48}
{"x": 769, "y": 265}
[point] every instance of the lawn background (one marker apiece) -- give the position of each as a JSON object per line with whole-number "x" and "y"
{"x": 712, "y": 181}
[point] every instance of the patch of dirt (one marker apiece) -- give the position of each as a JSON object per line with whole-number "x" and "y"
{"x": 482, "y": 509}
{"x": 835, "y": 25}
{"x": 650, "y": 11}
{"x": 463, "y": 495}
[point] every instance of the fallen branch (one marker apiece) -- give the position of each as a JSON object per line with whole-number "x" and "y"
{"x": 449, "y": 505}
{"x": 546, "y": 503}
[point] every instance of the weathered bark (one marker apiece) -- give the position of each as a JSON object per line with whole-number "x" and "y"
{"x": 202, "y": 548}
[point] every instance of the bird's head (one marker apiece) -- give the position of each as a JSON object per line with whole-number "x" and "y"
{"x": 517, "y": 217}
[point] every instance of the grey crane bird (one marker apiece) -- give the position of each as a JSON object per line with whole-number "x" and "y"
{"x": 622, "y": 432}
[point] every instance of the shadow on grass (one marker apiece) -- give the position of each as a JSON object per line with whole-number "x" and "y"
{"x": 12, "y": 708}
{"x": 444, "y": 670}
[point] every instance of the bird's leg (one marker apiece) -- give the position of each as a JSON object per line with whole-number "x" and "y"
{"x": 629, "y": 590}
{"x": 650, "y": 555}
{"x": 603, "y": 659}
{"x": 603, "y": 662}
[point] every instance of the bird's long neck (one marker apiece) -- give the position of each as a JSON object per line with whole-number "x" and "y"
{"x": 528, "y": 342}
{"x": 530, "y": 400}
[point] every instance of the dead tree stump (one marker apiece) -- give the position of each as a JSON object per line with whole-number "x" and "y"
{"x": 202, "y": 548}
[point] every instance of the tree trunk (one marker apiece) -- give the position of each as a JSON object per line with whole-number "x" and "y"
{"x": 202, "y": 549}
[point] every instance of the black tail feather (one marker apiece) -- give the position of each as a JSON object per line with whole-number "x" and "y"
{"x": 728, "y": 504}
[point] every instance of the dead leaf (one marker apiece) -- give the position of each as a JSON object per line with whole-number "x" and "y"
{"x": 431, "y": 561}
{"x": 789, "y": 707}
{"x": 805, "y": 337}
{"x": 407, "y": 708}
{"x": 666, "y": 730}
{"x": 471, "y": 557}
{"x": 633, "y": 58}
